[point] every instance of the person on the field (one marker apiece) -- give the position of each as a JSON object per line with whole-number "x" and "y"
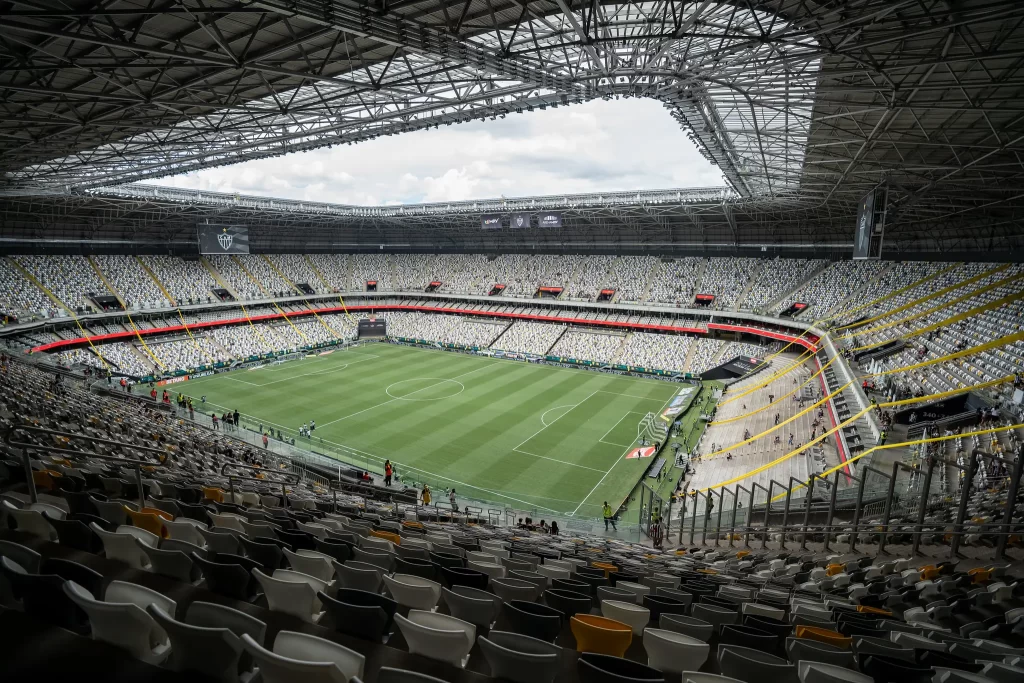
{"x": 312, "y": 425}
{"x": 609, "y": 516}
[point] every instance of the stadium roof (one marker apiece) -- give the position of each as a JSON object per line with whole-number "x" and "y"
{"x": 805, "y": 106}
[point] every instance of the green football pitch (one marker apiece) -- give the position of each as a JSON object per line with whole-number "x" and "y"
{"x": 528, "y": 436}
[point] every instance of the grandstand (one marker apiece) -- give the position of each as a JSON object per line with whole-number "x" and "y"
{"x": 716, "y": 434}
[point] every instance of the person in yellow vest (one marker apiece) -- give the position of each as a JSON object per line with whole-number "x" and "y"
{"x": 609, "y": 516}
{"x": 426, "y": 495}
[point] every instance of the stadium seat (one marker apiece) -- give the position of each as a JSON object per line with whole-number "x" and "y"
{"x": 566, "y": 602}
{"x": 673, "y": 652}
{"x": 412, "y": 591}
{"x": 437, "y": 636}
{"x": 600, "y": 668}
{"x": 519, "y": 658}
{"x": 228, "y": 578}
{"x": 212, "y": 652}
{"x": 478, "y": 607}
{"x": 359, "y": 576}
{"x": 628, "y": 613}
{"x": 531, "y": 619}
{"x": 753, "y": 666}
{"x": 299, "y": 656}
{"x": 360, "y": 613}
{"x": 170, "y": 563}
{"x": 121, "y": 618}
{"x": 509, "y": 589}
{"x": 601, "y": 634}
{"x": 690, "y": 626}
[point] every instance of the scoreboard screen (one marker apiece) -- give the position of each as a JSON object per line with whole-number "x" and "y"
{"x": 372, "y": 327}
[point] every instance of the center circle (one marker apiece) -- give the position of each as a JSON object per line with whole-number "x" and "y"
{"x": 425, "y": 389}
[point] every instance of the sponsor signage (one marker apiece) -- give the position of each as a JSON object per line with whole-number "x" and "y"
{"x": 679, "y": 402}
{"x": 223, "y": 239}
{"x": 519, "y": 221}
{"x": 549, "y": 219}
{"x": 608, "y": 292}
{"x": 435, "y": 283}
{"x": 171, "y": 380}
{"x": 799, "y": 306}
{"x": 550, "y": 289}
{"x": 490, "y": 222}
{"x": 706, "y": 297}
{"x": 643, "y": 452}
{"x": 865, "y": 218}
{"x": 204, "y": 373}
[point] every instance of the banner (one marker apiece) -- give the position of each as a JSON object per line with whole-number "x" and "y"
{"x": 519, "y": 220}
{"x": 490, "y": 222}
{"x": 223, "y": 239}
{"x": 549, "y": 219}
{"x": 865, "y": 219}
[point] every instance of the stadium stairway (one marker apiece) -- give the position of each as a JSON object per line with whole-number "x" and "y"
{"x": 655, "y": 273}
{"x": 219, "y": 278}
{"x": 32, "y": 278}
{"x": 149, "y": 271}
{"x": 312, "y": 266}
{"x": 741, "y": 300}
{"x": 700, "y": 278}
{"x": 565, "y": 328}
{"x": 779, "y": 300}
{"x": 507, "y": 327}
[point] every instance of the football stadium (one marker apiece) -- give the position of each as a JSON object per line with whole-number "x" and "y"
{"x": 366, "y": 341}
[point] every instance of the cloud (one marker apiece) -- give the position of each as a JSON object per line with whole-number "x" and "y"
{"x": 600, "y": 146}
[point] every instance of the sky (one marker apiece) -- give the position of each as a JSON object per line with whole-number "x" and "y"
{"x": 598, "y": 146}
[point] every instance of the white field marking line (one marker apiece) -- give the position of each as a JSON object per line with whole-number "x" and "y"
{"x": 616, "y": 462}
{"x": 193, "y": 382}
{"x": 317, "y": 372}
{"x": 560, "y": 462}
{"x": 631, "y": 412}
{"x": 320, "y": 359}
{"x": 646, "y": 380}
{"x": 242, "y": 381}
{"x": 355, "y": 452}
{"x": 384, "y": 403}
{"x": 645, "y": 398}
{"x": 516, "y": 448}
{"x": 567, "y": 405}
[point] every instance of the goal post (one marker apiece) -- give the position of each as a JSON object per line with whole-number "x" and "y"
{"x": 645, "y": 429}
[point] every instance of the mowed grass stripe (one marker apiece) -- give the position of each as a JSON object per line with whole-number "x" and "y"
{"x": 466, "y": 436}
{"x": 306, "y": 397}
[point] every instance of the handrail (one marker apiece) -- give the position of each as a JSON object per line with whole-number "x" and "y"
{"x": 233, "y": 477}
{"x": 67, "y": 453}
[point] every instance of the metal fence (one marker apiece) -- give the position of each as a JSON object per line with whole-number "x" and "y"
{"x": 880, "y": 506}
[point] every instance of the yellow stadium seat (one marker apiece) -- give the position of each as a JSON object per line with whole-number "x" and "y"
{"x": 873, "y": 610}
{"x": 601, "y": 635}
{"x": 44, "y": 479}
{"x": 214, "y": 494}
{"x": 608, "y": 568}
{"x": 741, "y": 554}
{"x": 387, "y": 535}
{"x": 834, "y": 569}
{"x": 149, "y": 520}
{"x": 979, "y": 575}
{"x": 824, "y": 635}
